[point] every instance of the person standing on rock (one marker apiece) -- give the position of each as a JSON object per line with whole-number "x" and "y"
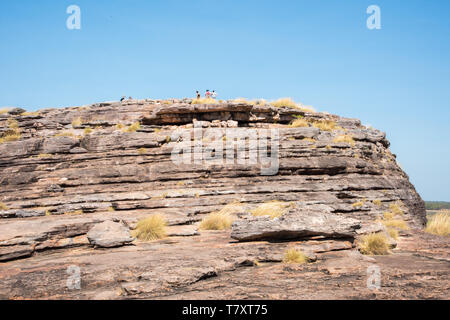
{"x": 198, "y": 95}
{"x": 214, "y": 94}
{"x": 123, "y": 98}
{"x": 207, "y": 94}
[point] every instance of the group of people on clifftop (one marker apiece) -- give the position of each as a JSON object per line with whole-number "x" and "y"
{"x": 208, "y": 94}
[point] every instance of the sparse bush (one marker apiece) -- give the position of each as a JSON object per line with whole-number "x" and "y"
{"x": 120, "y": 126}
{"x": 274, "y": 209}
{"x": 3, "y": 207}
{"x": 151, "y": 228}
{"x": 345, "y": 138}
{"x": 298, "y": 123}
{"x": 111, "y": 209}
{"x": 294, "y": 256}
{"x": 439, "y": 224}
{"x": 142, "y": 151}
{"x": 388, "y": 215}
{"x": 374, "y": 244}
{"x": 309, "y": 140}
{"x": 87, "y": 131}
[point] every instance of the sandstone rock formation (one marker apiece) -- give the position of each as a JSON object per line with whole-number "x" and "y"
{"x": 77, "y": 176}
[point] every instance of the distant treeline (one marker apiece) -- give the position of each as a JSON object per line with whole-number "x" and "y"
{"x": 437, "y": 205}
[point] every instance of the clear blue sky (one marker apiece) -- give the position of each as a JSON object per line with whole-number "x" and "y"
{"x": 318, "y": 52}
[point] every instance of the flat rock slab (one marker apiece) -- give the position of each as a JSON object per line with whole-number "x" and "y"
{"x": 296, "y": 223}
{"x": 109, "y": 234}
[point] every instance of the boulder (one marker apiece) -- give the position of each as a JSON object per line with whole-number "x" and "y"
{"x": 109, "y": 234}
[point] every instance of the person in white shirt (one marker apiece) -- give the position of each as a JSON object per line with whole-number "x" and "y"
{"x": 214, "y": 94}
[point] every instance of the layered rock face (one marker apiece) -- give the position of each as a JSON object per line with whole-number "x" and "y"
{"x": 93, "y": 169}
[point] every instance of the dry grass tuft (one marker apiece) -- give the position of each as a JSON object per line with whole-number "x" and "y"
{"x": 151, "y": 228}
{"x": 377, "y": 202}
{"x": 65, "y": 134}
{"x": 359, "y": 203}
{"x": 439, "y": 224}
{"x": 142, "y": 151}
{"x": 77, "y": 122}
{"x": 74, "y": 213}
{"x": 294, "y": 256}
{"x": 309, "y": 140}
{"x": 396, "y": 208}
{"x": 87, "y": 131}
{"x": 374, "y": 244}
{"x": 44, "y": 155}
{"x": 325, "y": 125}
{"x": 222, "y": 219}
{"x": 133, "y": 128}
{"x": 345, "y": 138}
{"x": 4, "y": 110}
{"x": 298, "y": 123}
{"x": 285, "y": 102}
{"x": 3, "y": 207}
{"x": 393, "y": 233}
{"x": 217, "y": 221}
{"x": 29, "y": 114}
{"x": 204, "y": 101}
{"x": 274, "y": 209}
{"x": 396, "y": 223}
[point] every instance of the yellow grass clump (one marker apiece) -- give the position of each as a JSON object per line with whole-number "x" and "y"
{"x": 133, "y": 128}
{"x": 74, "y": 213}
{"x": 222, "y": 219}
{"x": 274, "y": 209}
{"x": 29, "y": 114}
{"x": 325, "y": 125}
{"x": 285, "y": 102}
{"x": 439, "y": 224}
{"x": 4, "y": 110}
{"x": 359, "y": 203}
{"x": 151, "y": 228}
{"x": 377, "y": 202}
{"x": 204, "y": 101}
{"x": 87, "y": 131}
{"x": 44, "y": 155}
{"x": 388, "y": 215}
{"x": 396, "y": 223}
{"x": 142, "y": 151}
{"x": 298, "y": 123}
{"x": 345, "y": 138}
{"x": 294, "y": 256}
{"x": 9, "y": 137}
{"x": 396, "y": 208}
{"x": 216, "y": 221}
{"x": 3, "y": 206}
{"x": 77, "y": 122}
{"x": 393, "y": 233}
{"x": 309, "y": 140}
{"x": 374, "y": 244}
{"x": 65, "y": 134}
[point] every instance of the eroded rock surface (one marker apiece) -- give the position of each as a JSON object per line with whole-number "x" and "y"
{"x": 83, "y": 176}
